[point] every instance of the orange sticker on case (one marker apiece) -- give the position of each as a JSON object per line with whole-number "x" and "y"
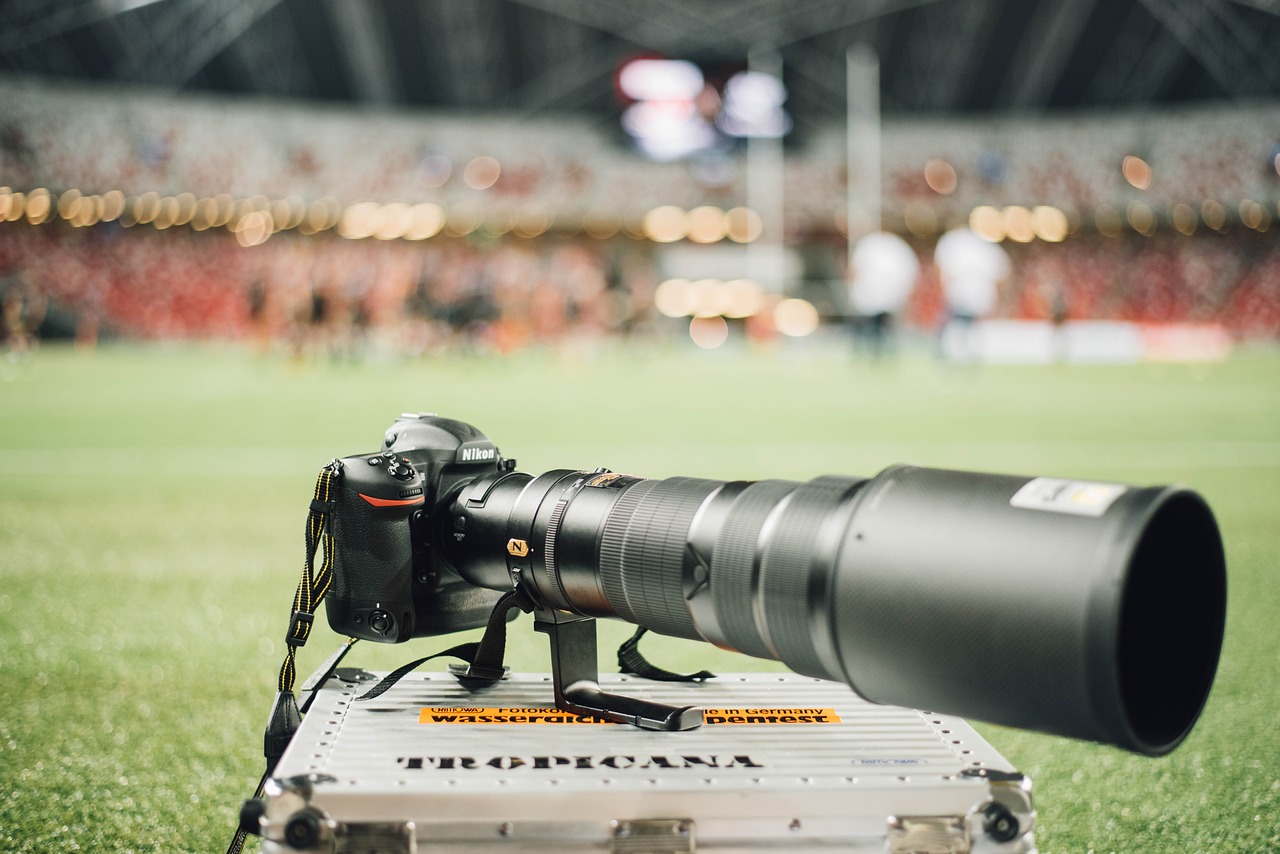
{"x": 552, "y": 715}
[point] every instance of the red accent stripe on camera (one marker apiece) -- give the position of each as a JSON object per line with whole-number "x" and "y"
{"x": 391, "y": 502}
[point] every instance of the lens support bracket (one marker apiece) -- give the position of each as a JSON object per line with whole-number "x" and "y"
{"x": 575, "y": 677}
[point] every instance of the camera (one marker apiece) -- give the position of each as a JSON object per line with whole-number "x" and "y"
{"x": 1090, "y": 610}
{"x": 391, "y": 582}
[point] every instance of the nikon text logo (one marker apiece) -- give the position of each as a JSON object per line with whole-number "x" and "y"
{"x": 547, "y": 763}
{"x": 473, "y": 454}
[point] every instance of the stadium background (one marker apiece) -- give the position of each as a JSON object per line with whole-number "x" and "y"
{"x": 249, "y": 233}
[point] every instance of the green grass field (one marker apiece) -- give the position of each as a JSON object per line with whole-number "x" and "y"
{"x": 151, "y": 517}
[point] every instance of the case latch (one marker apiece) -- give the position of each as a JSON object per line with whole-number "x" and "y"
{"x": 654, "y": 836}
{"x": 928, "y": 834}
{"x": 393, "y": 837}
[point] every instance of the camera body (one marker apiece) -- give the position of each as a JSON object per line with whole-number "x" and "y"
{"x": 391, "y": 583}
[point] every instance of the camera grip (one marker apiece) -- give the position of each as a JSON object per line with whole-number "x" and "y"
{"x": 371, "y": 597}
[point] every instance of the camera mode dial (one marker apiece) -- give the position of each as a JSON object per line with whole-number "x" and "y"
{"x": 387, "y": 480}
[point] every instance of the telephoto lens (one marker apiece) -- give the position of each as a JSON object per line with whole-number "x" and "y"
{"x": 1089, "y": 610}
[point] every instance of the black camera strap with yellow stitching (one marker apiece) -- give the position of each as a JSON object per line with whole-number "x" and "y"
{"x": 485, "y": 657}
{"x": 312, "y": 586}
{"x": 285, "y": 716}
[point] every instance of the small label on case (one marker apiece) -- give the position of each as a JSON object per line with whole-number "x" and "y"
{"x": 1077, "y": 497}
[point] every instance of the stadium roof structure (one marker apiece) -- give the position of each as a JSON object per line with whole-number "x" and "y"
{"x": 545, "y": 57}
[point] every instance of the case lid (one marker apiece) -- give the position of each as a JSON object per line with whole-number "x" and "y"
{"x": 782, "y": 759}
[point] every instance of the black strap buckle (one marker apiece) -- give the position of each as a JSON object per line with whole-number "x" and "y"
{"x": 299, "y": 628}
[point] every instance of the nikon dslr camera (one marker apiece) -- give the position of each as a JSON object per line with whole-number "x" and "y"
{"x": 391, "y": 581}
{"x": 1092, "y": 610}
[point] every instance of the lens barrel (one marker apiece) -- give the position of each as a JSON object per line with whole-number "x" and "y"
{"x": 1088, "y": 610}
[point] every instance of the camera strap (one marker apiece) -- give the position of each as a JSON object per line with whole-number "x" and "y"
{"x": 313, "y": 585}
{"x": 631, "y": 660}
{"x": 484, "y": 657}
{"x": 285, "y": 716}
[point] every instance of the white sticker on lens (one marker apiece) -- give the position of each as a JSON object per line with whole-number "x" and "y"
{"x": 1078, "y": 497}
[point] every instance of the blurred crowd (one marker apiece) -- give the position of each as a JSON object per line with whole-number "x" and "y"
{"x": 319, "y": 295}
{"x": 325, "y": 294}
{"x": 1228, "y": 279}
{"x": 569, "y": 168}
{"x": 1184, "y": 171}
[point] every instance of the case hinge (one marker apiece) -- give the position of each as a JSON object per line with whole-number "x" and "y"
{"x": 928, "y": 834}
{"x": 653, "y": 836}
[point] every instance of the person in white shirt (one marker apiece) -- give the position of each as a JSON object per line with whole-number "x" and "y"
{"x": 971, "y": 269}
{"x": 883, "y": 273}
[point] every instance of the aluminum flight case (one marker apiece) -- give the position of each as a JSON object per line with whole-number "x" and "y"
{"x": 783, "y": 762}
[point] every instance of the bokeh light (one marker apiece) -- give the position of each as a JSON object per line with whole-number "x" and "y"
{"x": 39, "y": 206}
{"x": 1214, "y": 214}
{"x": 425, "y": 221}
{"x": 666, "y": 224}
{"x": 322, "y": 214}
{"x": 674, "y": 298}
{"x": 1136, "y": 171}
{"x": 1049, "y": 223}
{"x": 481, "y": 172}
{"x": 17, "y": 206}
{"x": 940, "y": 176}
{"x": 920, "y": 219}
{"x": 795, "y": 317}
{"x": 709, "y": 332}
{"x": 360, "y": 220}
{"x": 166, "y": 213}
{"x": 741, "y": 298}
{"x": 986, "y": 222}
{"x": 707, "y": 224}
{"x": 226, "y": 210}
{"x": 1107, "y": 220}
{"x": 1018, "y": 225}
{"x": 112, "y": 205}
{"x": 743, "y": 225}
{"x": 1252, "y": 215}
{"x": 68, "y": 202}
{"x": 1184, "y": 219}
{"x": 184, "y": 208}
{"x": 254, "y": 228}
{"x": 1142, "y": 218}
{"x": 434, "y": 170}
{"x": 601, "y": 224}
{"x": 146, "y": 207}
{"x": 394, "y": 222}
{"x": 532, "y": 222}
{"x": 737, "y": 298}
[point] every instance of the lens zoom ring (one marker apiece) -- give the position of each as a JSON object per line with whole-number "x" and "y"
{"x": 733, "y": 565}
{"x": 612, "y": 542}
{"x": 650, "y": 553}
{"x": 790, "y": 567}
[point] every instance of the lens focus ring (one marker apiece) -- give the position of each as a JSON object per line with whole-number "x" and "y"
{"x": 642, "y": 552}
{"x": 612, "y": 542}
{"x": 734, "y": 567}
{"x": 797, "y": 565}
